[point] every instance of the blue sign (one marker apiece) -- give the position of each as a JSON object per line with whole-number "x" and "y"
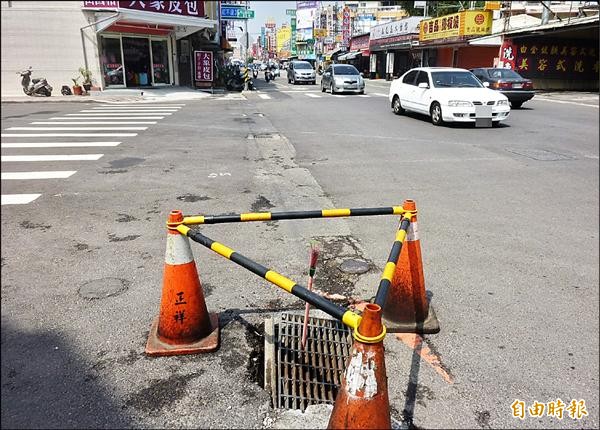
{"x": 230, "y": 11}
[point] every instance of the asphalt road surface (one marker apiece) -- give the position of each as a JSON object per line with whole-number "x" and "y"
{"x": 508, "y": 221}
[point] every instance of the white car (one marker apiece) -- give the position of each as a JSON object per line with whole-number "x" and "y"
{"x": 447, "y": 95}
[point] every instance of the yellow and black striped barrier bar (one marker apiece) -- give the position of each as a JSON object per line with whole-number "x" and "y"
{"x": 275, "y": 216}
{"x": 348, "y": 317}
{"x": 390, "y": 266}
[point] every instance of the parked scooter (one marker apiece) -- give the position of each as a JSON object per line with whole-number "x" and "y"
{"x": 36, "y": 86}
{"x": 234, "y": 80}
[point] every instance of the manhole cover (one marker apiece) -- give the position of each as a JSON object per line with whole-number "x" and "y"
{"x": 102, "y": 288}
{"x": 541, "y": 154}
{"x": 274, "y": 136}
{"x": 354, "y": 266}
{"x": 297, "y": 378}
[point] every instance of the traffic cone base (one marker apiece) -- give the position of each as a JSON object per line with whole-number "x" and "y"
{"x": 430, "y": 325}
{"x": 156, "y": 347}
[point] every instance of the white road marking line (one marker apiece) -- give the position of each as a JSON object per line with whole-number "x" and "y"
{"x": 158, "y": 112}
{"x": 364, "y": 95}
{"x": 68, "y": 134}
{"x": 264, "y": 96}
{"x": 140, "y": 106}
{"x": 18, "y": 199}
{"x": 565, "y": 102}
{"x": 59, "y": 174}
{"x": 57, "y": 144}
{"x": 300, "y": 91}
{"x": 70, "y": 157}
{"x": 93, "y": 122}
{"x": 338, "y": 95}
{"x": 174, "y": 109}
{"x": 73, "y": 128}
{"x": 315, "y": 96}
{"x": 94, "y": 118}
{"x": 136, "y": 115}
{"x": 380, "y": 94}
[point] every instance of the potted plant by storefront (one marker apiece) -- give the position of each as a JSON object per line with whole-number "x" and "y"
{"x": 77, "y": 90}
{"x": 87, "y": 78}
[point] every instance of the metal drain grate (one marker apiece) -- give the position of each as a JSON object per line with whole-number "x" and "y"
{"x": 302, "y": 378}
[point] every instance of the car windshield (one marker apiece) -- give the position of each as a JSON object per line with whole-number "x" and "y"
{"x": 302, "y": 66}
{"x": 504, "y": 74}
{"x": 345, "y": 70}
{"x": 455, "y": 80}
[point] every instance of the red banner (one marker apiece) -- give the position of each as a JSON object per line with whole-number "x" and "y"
{"x": 204, "y": 66}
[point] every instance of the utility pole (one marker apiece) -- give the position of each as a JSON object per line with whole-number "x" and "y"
{"x": 246, "y": 43}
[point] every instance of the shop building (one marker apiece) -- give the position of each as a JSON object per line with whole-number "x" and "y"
{"x": 359, "y": 53}
{"x": 393, "y": 48}
{"x": 559, "y": 55}
{"x": 125, "y": 44}
{"x": 445, "y": 41}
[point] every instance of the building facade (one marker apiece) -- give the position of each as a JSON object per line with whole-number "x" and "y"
{"x": 124, "y": 44}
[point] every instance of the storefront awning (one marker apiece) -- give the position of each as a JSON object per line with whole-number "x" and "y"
{"x": 349, "y": 56}
{"x": 183, "y": 25}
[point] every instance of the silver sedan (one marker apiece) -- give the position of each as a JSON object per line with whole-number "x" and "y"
{"x": 342, "y": 78}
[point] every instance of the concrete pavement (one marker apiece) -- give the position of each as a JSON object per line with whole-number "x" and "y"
{"x": 513, "y": 277}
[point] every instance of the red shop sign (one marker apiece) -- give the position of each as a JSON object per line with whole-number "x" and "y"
{"x": 185, "y": 8}
{"x": 204, "y": 65}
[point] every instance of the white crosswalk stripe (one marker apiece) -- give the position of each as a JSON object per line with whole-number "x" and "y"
{"x": 68, "y": 134}
{"x": 380, "y": 94}
{"x": 264, "y": 96}
{"x": 103, "y": 118}
{"x": 315, "y": 96}
{"x": 58, "y": 174}
{"x": 91, "y": 122}
{"x": 57, "y": 144}
{"x": 69, "y": 157}
{"x": 18, "y": 199}
{"x": 109, "y": 114}
{"x": 96, "y": 123}
{"x": 73, "y": 128}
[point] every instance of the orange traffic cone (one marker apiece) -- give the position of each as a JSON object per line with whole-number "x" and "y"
{"x": 362, "y": 401}
{"x": 406, "y": 308}
{"x": 184, "y": 325}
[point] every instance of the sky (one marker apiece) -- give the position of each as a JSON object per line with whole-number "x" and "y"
{"x": 265, "y": 10}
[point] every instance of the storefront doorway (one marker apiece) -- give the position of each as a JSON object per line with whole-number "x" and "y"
{"x": 136, "y": 52}
{"x": 132, "y": 61}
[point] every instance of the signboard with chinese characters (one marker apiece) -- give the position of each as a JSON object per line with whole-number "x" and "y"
{"x": 100, "y": 5}
{"x": 346, "y": 26}
{"x": 551, "y": 58}
{"x": 184, "y": 8}
{"x": 204, "y": 66}
{"x": 465, "y": 23}
{"x": 396, "y": 28}
{"x": 320, "y": 32}
{"x": 290, "y": 12}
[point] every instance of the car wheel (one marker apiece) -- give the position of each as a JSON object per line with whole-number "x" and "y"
{"x": 436, "y": 114}
{"x": 516, "y": 105}
{"x": 289, "y": 81}
{"x": 397, "y": 106}
{"x": 314, "y": 82}
{"x": 361, "y": 92}
{"x": 331, "y": 90}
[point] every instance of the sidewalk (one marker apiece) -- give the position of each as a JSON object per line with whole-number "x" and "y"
{"x": 122, "y": 95}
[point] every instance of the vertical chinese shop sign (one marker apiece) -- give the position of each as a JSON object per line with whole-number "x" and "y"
{"x": 204, "y": 66}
